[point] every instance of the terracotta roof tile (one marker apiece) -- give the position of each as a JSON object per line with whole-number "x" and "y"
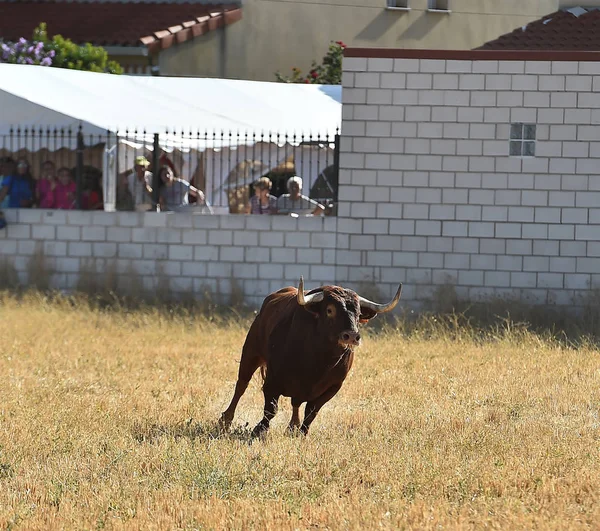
{"x": 161, "y": 34}
{"x": 568, "y": 29}
{"x": 115, "y": 23}
{"x": 199, "y": 29}
{"x": 183, "y": 35}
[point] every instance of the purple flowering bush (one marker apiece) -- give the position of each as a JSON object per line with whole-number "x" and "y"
{"x": 24, "y": 52}
{"x": 57, "y": 52}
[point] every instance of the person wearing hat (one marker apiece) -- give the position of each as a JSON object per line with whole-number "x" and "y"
{"x": 139, "y": 183}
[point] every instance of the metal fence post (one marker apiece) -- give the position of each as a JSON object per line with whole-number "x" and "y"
{"x": 155, "y": 170}
{"x": 336, "y": 165}
{"x": 79, "y": 169}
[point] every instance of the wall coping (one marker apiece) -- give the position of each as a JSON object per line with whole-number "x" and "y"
{"x": 167, "y": 220}
{"x": 474, "y": 55}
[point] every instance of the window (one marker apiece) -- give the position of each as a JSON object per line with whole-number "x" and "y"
{"x": 438, "y": 5}
{"x": 522, "y": 140}
{"x": 398, "y": 4}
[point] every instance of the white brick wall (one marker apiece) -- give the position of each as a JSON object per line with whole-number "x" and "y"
{"x": 428, "y": 196}
{"x": 456, "y": 207}
{"x": 255, "y": 253}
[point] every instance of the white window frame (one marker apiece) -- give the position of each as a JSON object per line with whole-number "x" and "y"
{"x": 439, "y": 6}
{"x": 522, "y": 140}
{"x": 398, "y": 5}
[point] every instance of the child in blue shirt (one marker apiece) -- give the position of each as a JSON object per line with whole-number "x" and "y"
{"x": 18, "y": 187}
{"x": 7, "y": 166}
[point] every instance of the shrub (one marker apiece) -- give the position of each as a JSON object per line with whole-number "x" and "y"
{"x": 26, "y": 53}
{"x": 58, "y": 52}
{"x": 329, "y": 72}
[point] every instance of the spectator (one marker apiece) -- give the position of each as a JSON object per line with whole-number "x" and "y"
{"x": 64, "y": 193}
{"x": 262, "y": 202}
{"x": 46, "y": 184}
{"x": 173, "y": 194}
{"x": 7, "y": 168}
{"x": 296, "y": 203}
{"x": 19, "y": 187}
{"x": 139, "y": 183}
{"x": 91, "y": 195}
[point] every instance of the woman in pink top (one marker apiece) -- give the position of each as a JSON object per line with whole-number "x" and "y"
{"x": 44, "y": 190}
{"x": 64, "y": 193}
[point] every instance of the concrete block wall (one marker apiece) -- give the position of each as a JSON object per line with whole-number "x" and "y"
{"x": 429, "y": 194}
{"x": 184, "y": 253}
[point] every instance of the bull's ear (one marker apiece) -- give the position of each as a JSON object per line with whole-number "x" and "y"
{"x": 366, "y": 314}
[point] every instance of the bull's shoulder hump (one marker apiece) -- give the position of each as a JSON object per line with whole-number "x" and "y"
{"x": 288, "y": 289}
{"x": 282, "y": 300}
{"x": 281, "y": 295}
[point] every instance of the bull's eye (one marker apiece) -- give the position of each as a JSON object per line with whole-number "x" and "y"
{"x": 330, "y": 310}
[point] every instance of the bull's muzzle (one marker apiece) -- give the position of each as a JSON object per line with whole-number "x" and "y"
{"x": 349, "y": 338}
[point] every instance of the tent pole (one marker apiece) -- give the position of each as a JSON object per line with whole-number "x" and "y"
{"x": 155, "y": 171}
{"x": 79, "y": 169}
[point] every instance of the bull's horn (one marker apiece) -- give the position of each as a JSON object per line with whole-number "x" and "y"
{"x": 302, "y": 300}
{"x": 381, "y": 308}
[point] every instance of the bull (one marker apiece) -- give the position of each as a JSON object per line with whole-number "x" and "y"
{"x": 304, "y": 344}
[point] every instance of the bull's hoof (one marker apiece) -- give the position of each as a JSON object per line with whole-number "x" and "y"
{"x": 259, "y": 431}
{"x": 293, "y": 430}
{"x": 224, "y": 423}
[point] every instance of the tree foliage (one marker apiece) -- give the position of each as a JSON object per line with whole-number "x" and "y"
{"x": 58, "y": 52}
{"x": 328, "y": 72}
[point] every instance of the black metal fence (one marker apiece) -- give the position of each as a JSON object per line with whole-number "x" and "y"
{"x": 123, "y": 169}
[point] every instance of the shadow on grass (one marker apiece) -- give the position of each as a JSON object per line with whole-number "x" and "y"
{"x": 189, "y": 429}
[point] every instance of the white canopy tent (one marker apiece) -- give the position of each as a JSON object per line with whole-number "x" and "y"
{"x": 34, "y": 96}
{"x": 42, "y": 97}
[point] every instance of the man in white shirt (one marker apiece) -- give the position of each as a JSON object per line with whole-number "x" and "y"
{"x": 296, "y": 203}
{"x": 139, "y": 183}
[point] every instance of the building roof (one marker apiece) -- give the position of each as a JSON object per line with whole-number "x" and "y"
{"x": 156, "y": 25}
{"x": 576, "y": 28}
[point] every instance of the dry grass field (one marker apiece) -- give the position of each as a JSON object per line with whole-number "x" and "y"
{"x": 108, "y": 420}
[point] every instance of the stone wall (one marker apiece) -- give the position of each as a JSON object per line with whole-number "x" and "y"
{"x": 434, "y": 196}
{"x": 185, "y": 254}
{"x": 429, "y": 195}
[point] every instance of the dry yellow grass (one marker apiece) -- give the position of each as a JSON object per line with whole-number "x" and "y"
{"x": 107, "y": 420}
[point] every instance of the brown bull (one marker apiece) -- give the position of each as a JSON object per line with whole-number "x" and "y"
{"x": 306, "y": 344}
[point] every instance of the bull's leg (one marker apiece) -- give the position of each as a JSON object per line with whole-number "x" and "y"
{"x": 295, "y": 420}
{"x": 248, "y": 366}
{"x": 313, "y": 407}
{"x": 271, "y": 400}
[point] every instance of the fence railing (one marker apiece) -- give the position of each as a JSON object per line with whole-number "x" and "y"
{"x": 222, "y": 164}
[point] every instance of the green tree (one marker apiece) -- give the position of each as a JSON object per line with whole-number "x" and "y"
{"x": 328, "y": 72}
{"x": 67, "y": 54}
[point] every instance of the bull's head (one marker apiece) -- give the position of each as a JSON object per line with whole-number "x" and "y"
{"x": 340, "y": 310}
